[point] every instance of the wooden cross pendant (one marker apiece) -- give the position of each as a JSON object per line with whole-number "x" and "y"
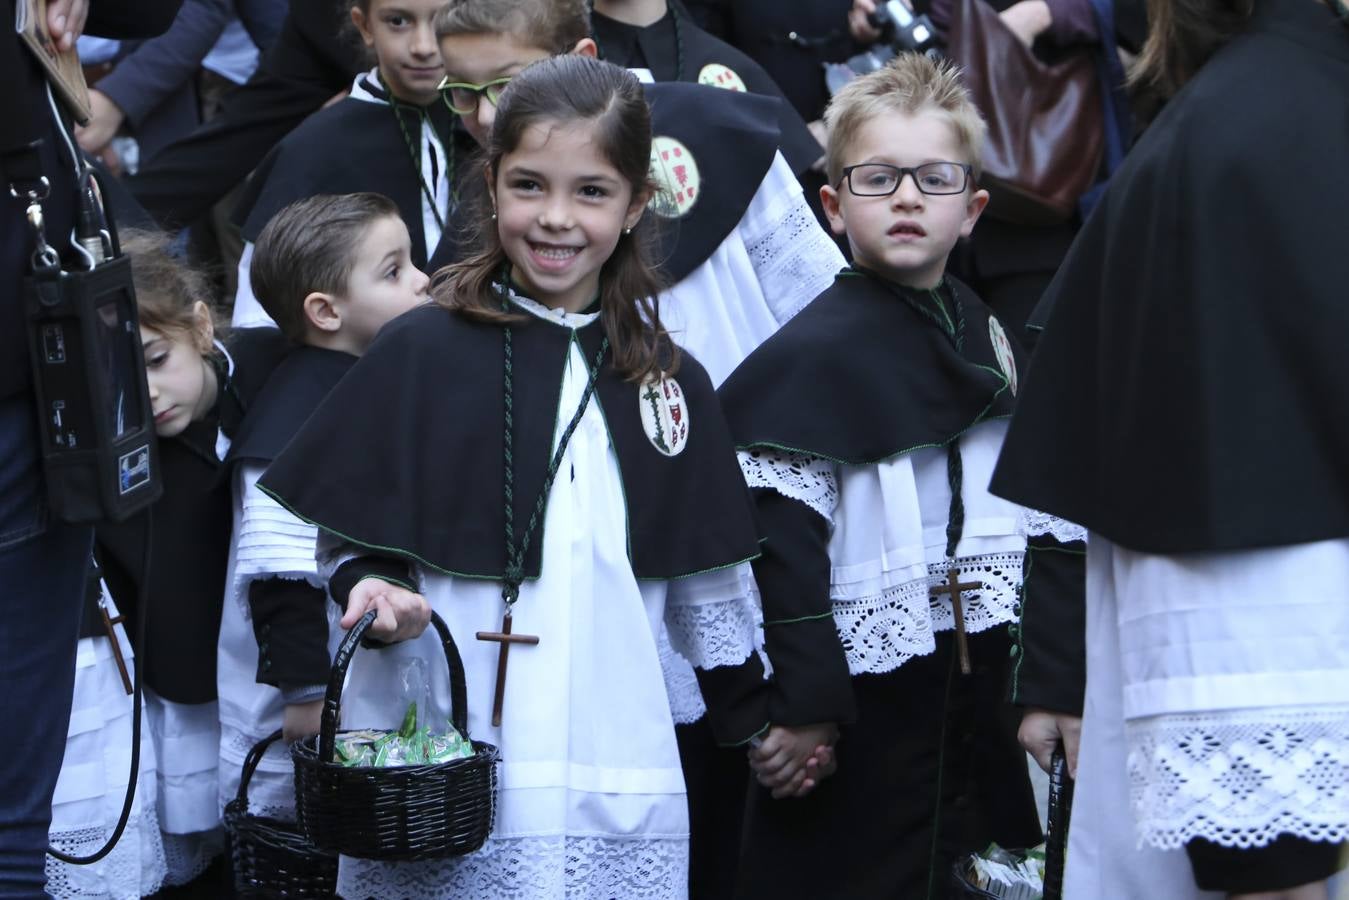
{"x": 954, "y": 586}
{"x": 108, "y": 623}
{"x": 505, "y": 639}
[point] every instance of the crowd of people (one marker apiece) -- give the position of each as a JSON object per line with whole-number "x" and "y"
{"x": 805, "y": 489}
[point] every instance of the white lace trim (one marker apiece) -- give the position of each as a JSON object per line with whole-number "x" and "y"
{"x": 794, "y": 260}
{"x": 708, "y": 635}
{"x": 1035, "y": 524}
{"x": 134, "y": 868}
{"x": 533, "y": 868}
{"x": 188, "y": 855}
{"x": 1239, "y": 778}
{"x": 798, "y": 476}
{"x": 681, "y": 684}
{"x": 883, "y": 631}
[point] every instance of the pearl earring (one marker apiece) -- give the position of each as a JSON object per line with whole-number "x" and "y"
{"x": 628, "y": 230}
{"x": 494, "y": 215}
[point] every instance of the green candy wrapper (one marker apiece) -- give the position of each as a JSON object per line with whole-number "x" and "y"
{"x": 408, "y": 746}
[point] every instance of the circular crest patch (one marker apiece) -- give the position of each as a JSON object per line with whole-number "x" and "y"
{"x": 665, "y": 415}
{"x": 1002, "y": 351}
{"x": 717, "y": 75}
{"x": 675, "y": 171}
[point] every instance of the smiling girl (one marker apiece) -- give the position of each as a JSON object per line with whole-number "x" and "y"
{"x": 544, "y": 465}
{"x": 391, "y": 135}
{"x": 197, "y": 392}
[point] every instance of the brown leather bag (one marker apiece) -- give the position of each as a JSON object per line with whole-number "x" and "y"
{"x": 1045, "y": 125}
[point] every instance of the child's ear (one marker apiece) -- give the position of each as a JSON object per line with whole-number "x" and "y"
{"x": 203, "y": 329}
{"x": 978, "y": 200}
{"x": 636, "y": 207}
{"x": 829, "y": 199}
{"x": 586, "y": 47}
{"x": 358, "y": 19}
{"x": 320, "y": 311}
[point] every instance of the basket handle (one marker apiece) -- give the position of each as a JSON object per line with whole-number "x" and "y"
{"x": 332, "y": 700}
{"x": 1060, "y": 813}
{"x": 251, "y": 762}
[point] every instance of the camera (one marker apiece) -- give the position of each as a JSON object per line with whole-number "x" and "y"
{"x": 901, "y": 31}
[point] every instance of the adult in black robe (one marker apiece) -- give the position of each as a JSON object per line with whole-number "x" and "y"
{"x": 1185, "y": 396}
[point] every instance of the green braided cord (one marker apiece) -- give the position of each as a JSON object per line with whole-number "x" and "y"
{"x": 516, "y": 553}
{"x": 955, "y": 475}
{"x": 414, "y": 148}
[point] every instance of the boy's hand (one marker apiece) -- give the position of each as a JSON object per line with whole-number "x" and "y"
{"x": 1041, "y": 730}
{"x": 301, "y": 720}
{"x": 401, "y": 614}
{"x": 65, "y": 21}
{"x": 792, "y": 760}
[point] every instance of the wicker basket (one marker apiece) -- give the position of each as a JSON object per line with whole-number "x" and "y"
{"x": 401, "y": 812}
{"x": 273, "y": 858}
{"x": 1056, "y": 839}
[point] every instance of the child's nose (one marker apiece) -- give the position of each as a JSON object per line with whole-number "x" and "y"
{"x": 422, "y": 283}
{"x": 556, "y": 212}
{"x": 424, "y": 41}
{"x": 907, "y": 193}
{"x": 486, "y": 114}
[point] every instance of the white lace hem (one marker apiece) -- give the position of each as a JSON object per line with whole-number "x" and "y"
{"x": 533, "y": 868}
{"x": 1037, "y": 524}
{"x": 1240, "y": 778}
{"x": 881, "y": 632}
{"x": 794, "y": 260}
{"x": 797, "y": 476}
{"x": 134, "y": 868}
{"x": 681, "y": 684}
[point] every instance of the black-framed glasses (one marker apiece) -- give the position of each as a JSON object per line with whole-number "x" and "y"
{"x": 883, "y": 179}
{"x": 462, "y": 97}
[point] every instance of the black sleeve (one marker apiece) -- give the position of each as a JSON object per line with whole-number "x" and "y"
{"x": 126, "y": 20}
{"x": 811, "y": 682}
{"x": 290, "y": 622}
{"x": 737, "y": 701}
{"x": 394, "y": 571}
{"x": 1050, "y": 671}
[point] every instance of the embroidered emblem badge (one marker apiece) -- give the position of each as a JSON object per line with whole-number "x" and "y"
{"x": 665, "y": 415}
{"x": 675, "y": 172}
{"x": 717, "y": 75}
{"x": 1002, "y": 351}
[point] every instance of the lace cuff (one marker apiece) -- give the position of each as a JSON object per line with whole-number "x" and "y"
{"x": 809, "y": 479}
{"x": 1240, "y": 778}
{"x": 711, "y": 619}
{"x": 793, "y": 259}
{"x": 681, "y": 684}
{"x": 883, "y": 631}
{"x": 1038, "y": 524}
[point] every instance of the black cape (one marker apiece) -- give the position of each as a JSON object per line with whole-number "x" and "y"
{"x": 654, "y": 48}
{"x": 295, "y": 389}
{"x": 410, "y": 444}
{"x": 860, "y": 376}
{"x": 733, "y": 138}
{"x": 355, "y": 145}
{"x": 1186, "y": 394}
{"x": 190, "y": 539}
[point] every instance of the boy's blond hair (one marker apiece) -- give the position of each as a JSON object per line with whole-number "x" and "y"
{"x": 910, "y": 83}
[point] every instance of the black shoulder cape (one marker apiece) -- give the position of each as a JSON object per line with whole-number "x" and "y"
{"x": 190, "y": 539}
{"x": 353, "y": 145}
{"x": 705, "y": 59}
{"x": 405, "y": 454}
{"x": 291, "y": 394}
{"x": 1186, "y": 393}
{"x": 732, "y": 139}
{"x": 862, "y": 375}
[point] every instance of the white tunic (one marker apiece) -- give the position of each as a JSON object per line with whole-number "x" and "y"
{"x": 1217, "y": 707}
{"x": 92, "y": 785}
{"x": 591, "y": 800}
{"x": 887, "y": 544}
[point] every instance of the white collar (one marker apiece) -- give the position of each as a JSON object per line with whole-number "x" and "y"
{"x": 548, "y": 314}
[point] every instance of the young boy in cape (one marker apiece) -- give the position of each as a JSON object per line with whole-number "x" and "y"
{"x": 868, "y": 427}
{"x": 331, "y": 271}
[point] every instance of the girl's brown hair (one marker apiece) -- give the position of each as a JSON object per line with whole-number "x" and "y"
{"x": 1182, "y": 35}
{"x": 167, "y": 289}
{"x": 563, "y": 90}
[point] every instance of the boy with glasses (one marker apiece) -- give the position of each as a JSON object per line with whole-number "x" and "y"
{"x": 891, "y": 580}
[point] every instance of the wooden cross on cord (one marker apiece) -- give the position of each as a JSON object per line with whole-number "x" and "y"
{"x": 954, "y": 586}
{"x": 108, "y": 623}
{"x": 505, "y": 639}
